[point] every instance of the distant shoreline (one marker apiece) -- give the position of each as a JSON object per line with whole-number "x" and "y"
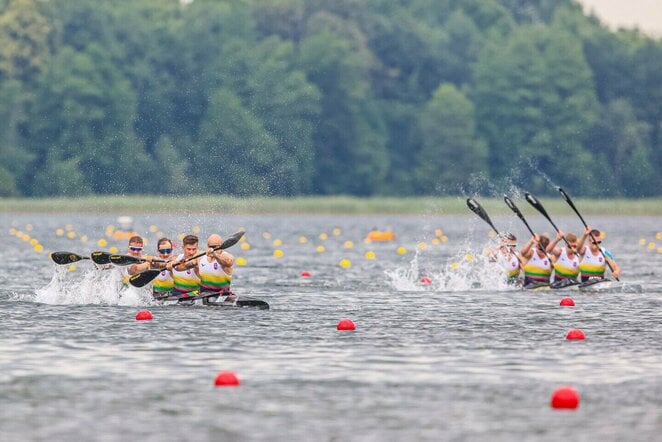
{"x": 318, "y": 205}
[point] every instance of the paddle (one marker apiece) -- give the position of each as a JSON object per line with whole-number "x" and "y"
{"x": 143, "y": 278}
{"x": 566, "y": 197}
{"x": 62, "y": 258}
{"x": 515, "y": 209}
{"x": 535, "y": 203}
{"x": 478, "y": 210}
{"x": 100, "y": 258}
{"x": 124, "y": 260}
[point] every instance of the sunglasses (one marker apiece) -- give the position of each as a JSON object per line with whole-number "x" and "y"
{"x": 512, "y": 246}
{"x": 598, "y": 242}
{"x": 136, "y": 249}
{"x": 165, "y": 251}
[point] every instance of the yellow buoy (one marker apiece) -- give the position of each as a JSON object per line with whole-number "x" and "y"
{"x": 438, "y": 233}
{"x": 240, "y": 261}
{"x": 245, "y": 246}
{"x": 25, "y": 237}
{"x": 72, "y": 268}
{"x": 277, "y": 242}
{"x": 266, "y": 235}
{"x": 303, "y": 240}
{"x": 469, "y": 257}
{"x": 336, "y": 231}
{"x": 401, "y": 250}
{"x": 444, "y": 238}
{"x": 651, "y": 245}
{"x": 102, "y": 242}
{"x": 34, "y": 242}
{"x": 320, "y": 249}
{"x": 278, "y": 253}
{"x": 370, "y": 255}
{"x": 455, "y": 265}
{"x": 38, "y": 248}
{"x": 84, "y": 238}
{"x": 153, "y": 228}
{"x": 68, "y": 227}
{"x": 658, "y": 235}
{"x": 59, "y": 232}
{"x": 435, "y": 241}
{"x": 349, "y": 244}
{"x": 323, "y": 236}
{"x": 642, "y": 242}
{"x": 71, "y": 234}
{"x": 113, "y": 249}
{"x": 422, "y": 245}
{"x": 345, "y": 263}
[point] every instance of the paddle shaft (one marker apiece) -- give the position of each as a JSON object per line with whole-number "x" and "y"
{"x": 567, "y": 199}
{"x": 535, "y": 203}
{"x": 519, "y": 214}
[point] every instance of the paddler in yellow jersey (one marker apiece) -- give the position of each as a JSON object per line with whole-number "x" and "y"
{"x": 564, "y": 259}
{"x": 506, "y": 257}
{"x": 594, "y": 258}
{"x": 135, "y": 249}
{"x": 164, "y": 282}
{"x": 537, "y": 266}
{"x": 215, "y": 272}
{"x": 184, "y": 274}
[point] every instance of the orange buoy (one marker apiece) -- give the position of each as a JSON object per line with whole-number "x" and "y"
{"x": 378, "y": 235}
{"x": 144, "y": 315}
{"x": 568, "y": 302}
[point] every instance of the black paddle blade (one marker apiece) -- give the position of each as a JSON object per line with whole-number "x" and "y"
{"x": 512, "y": 205}
{"x": 535, "y": 203}
{"x": 100, "y": 258}
{"x": 143, "y": 278}
{"x": 124, "y": 260}
{"x": 62, "y": 258}
{"x": 231, "y": 240}
{"x": 478, "y": 210}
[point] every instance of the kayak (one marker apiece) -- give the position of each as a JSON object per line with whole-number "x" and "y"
{"x": 214, "y": 301}
{"x": 590, "y": 286}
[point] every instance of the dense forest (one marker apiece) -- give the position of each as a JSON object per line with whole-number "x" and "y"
{"x": 301, "y": 97}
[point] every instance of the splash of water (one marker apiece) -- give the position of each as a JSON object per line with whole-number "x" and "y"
{"x": 94, "y": 286}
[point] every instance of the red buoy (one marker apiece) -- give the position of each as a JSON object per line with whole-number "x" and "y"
{"x": 568, "y": 302}
{"x": 426, "y": 280}
{"x": 575, "y": 333}
{"x": 144, "y": 315}
{"x": 305, "y": 274}
{"x": 565, "y": 398}
{"x": 226, "y": 379}
{"x": 346, "y": 325}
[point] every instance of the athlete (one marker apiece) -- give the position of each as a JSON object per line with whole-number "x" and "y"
{"x": 215, "y": 272}
{"x": 564, "y": 259}
{"x": 537, "y": 266}
{"x": 186, "y": 281}
{"x": 164, "y": 282}
{"x": 594, "y": 258}
{"x": 506, "y": 257}
{"x": 135, "y": 249}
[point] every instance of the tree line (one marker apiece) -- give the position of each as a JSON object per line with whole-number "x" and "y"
{"x": 300, "y": 97}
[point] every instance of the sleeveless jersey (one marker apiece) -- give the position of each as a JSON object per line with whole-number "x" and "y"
{"x": 164, "y": 282}
{"x": 592, "y": 266}
{"x": 510, "y": 264}
{"x": 184, "y": 281}
{"x": 565, "y": 267}
{"x": 537, "y": 269}
{"x": 212, "y": 276}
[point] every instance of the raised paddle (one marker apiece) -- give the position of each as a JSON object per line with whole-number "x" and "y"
{"x": 143, "y": 278}
{"x": 515, "y": 209}
{"x": 566, "y": 197}
{"x": 478, "y": 210}
{"x": 535, "y": 203}
{"x": 62, "y": 258}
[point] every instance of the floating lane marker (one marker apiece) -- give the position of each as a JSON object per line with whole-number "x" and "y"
{"x": 144, "y": 315}
{"x": 575, "y": 335}
{"x": 346, "y": 325}
{"x": 565, "y": 398}
{"x": 226, "y": 379}
{"x": 241, "y": 261}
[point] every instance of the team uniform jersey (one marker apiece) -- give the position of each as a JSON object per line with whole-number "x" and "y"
{"x": 592, "y": 266}
{"x": 163, "y": 283}
{"x": 537, "y": 269}
{"x": 510, "y": 264}
{"x": 566, "y": 267}
{"x": 184, "y": 281}
{"x": 212, "y": 276}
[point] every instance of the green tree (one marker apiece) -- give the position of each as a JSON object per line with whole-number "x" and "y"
{"x": 450, "y": 152}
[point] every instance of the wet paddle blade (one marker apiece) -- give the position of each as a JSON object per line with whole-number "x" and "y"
{"x": 143, "y": 278}
{"x": 100, "y": 258}
{"x": 478, "y": 210}
{"x": 63, "y": 258}
{"x": 124, "y": 260}
{"x": 231, "y": 240}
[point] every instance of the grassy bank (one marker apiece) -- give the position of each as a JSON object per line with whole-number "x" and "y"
{"x": 317, "y": 205}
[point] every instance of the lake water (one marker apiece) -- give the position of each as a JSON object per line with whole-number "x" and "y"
{"x": 462, "y": 358}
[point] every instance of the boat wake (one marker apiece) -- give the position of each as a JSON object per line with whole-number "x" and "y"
{"x": 469, "y": 271}
{"x": 92, "y": 287}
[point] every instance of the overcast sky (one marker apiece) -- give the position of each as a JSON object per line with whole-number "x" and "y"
{"x": 645, "y": 14}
